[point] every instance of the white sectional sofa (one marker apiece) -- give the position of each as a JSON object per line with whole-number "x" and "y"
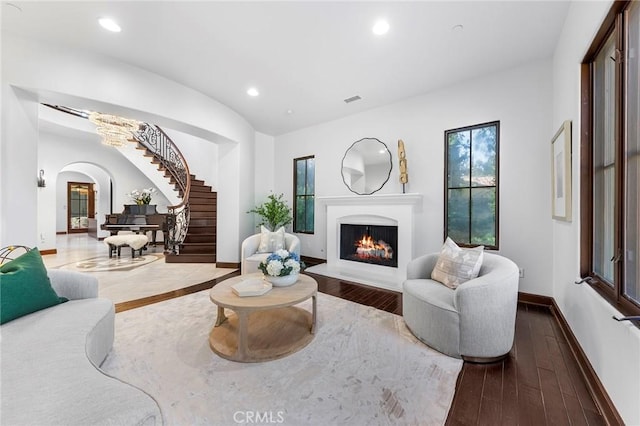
{"x": 50, "y": 364}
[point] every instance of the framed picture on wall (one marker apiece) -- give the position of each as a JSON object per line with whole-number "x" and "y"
{"x": 561, "y": 173}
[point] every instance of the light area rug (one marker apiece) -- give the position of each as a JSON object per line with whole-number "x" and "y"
{"x": 125, "y": 279}
{"x": 106, "y": 263}
{"x": 362, "y": 368}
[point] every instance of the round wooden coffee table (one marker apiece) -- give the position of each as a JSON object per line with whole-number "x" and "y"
{"x": 266, "y": 327}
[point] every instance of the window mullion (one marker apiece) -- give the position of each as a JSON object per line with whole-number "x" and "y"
{"x": 470, "y": 186}
{"x": 618, "y": 258}
{"x": 586, "y": 169}
{"x": 303, "y": 225}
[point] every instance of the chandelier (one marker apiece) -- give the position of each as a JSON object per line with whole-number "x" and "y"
{"x": 115, "y": 130}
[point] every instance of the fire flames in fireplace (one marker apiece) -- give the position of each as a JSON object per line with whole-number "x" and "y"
{"x": 375, "y": 244}
{"x": 367, "y": 248}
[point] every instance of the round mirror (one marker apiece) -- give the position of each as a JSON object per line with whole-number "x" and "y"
{"x": 366, "y": 166}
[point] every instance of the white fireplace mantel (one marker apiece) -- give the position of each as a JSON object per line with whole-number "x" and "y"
{"x": 374, "y": 199}
{"x": 395, "y": 208}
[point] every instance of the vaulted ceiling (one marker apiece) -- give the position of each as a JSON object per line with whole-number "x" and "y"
{"x": 305, "y": 58}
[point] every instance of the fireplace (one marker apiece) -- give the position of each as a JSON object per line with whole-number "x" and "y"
{"x": 384, "y": 212}
{"x": 374, "y": 244}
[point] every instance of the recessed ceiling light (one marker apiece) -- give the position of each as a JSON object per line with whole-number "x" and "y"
{"x": 110, "y": 25}
{"x": 380, "y": 27}
{"x": 290, "y": 112}
{"x": 252, "y": 91}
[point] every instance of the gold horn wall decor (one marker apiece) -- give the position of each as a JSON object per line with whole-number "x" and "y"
{"x": 402, "y": 162}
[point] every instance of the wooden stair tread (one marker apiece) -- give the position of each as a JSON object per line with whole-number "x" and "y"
{"x": 190, "y": 258}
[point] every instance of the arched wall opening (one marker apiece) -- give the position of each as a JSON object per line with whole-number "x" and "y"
{"x": 148, "y": 96}
{"x": 83, "y": 172}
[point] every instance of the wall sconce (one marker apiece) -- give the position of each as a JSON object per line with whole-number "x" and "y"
{"x": 41, "y": 183}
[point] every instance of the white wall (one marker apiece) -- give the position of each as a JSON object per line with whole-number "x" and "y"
{"x": 61, "y": 73}
{"x": 612, "y": 348}
{"x": 233, "y": 158}
{"x": 520, "y": 98}
{"x": 264, "y": 167}
{"x": 19, "y": 168}
{"x": 246, "y": 166}
{"x": 202, "y": 155}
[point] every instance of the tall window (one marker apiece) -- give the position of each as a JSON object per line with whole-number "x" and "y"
{"x": 610, "y": 156}
{"x": 304, "y": 172}
{"x": 471, "y": 184}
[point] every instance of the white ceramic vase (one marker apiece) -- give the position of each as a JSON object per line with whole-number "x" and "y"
{"x": 284, "y": 281}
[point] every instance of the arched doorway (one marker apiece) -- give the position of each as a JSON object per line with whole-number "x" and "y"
{"x": 83, "y": 198}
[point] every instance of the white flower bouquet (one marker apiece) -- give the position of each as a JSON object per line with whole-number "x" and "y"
{"x": 142, "y": 196}
{"x": 281, "y": 263}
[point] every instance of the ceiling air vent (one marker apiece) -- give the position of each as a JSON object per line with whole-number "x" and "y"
{"x": 352, "y": 99}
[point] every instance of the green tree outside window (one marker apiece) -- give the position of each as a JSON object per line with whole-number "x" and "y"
{"x": 471, "y": 184}
{"x": 304, "y": 194}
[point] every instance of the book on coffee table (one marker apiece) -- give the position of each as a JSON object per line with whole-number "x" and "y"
{"x": 251, "y": 287}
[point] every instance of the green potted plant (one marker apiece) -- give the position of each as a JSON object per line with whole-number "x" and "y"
{"x": 274, "y": 212}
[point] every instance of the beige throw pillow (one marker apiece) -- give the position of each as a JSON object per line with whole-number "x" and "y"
{"x": 456, "y": 265}
{"x": 271, "y": 241}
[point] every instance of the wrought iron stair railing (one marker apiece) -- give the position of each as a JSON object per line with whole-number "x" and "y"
{"x": 154, "y": 139}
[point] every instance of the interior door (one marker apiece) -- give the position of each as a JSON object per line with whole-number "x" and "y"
{"x": 80, "y": 206}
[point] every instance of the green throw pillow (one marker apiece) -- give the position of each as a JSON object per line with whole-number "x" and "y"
{"x": 25, "y": 287}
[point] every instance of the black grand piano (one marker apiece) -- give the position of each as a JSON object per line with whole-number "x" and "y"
{"x": 130, "y": 220}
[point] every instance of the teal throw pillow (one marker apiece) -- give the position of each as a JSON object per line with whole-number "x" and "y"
{"x": 25, "y": 287}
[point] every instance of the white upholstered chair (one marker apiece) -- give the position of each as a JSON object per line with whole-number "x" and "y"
{"x": 476, "y": 321}
{"x": 251, "y": 258}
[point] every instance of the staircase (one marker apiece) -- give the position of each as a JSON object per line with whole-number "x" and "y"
{"x": 199, "y": 245}
{"x": 192, "y": 234}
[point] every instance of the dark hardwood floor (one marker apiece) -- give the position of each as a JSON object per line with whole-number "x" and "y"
{"x": 539, "y": 383}
{"x": 384, "y": 300}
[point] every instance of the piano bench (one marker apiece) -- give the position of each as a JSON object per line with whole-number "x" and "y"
{"x": 135, "y": 241}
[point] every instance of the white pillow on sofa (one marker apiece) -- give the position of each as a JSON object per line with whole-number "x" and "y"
{"x": 271, "y": 241}
{"x": 456, "y": 265}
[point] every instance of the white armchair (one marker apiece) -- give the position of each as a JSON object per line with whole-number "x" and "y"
{"x": 476, "y": 321}
{"x": 251, "y": 258}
